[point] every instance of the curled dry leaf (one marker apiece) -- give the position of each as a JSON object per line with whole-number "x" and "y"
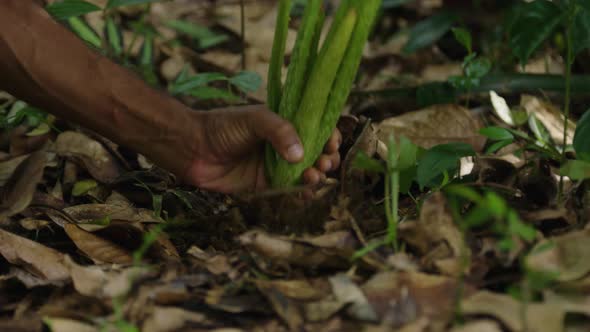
{"x": 541, "y": 317}
{"x": 565, "y": 257}
{"x": 97, "y": 160}
{"x": 37, "y": 259}
{"x": 104, "y": 282}
{"x": 436, "y": 235}
{"x": 433, "y": 126}
{"x": 87, "y": 215}
{"x": 330, "y": 250}
{"x": 98, "y": 249}
{"x": 17, "y": 193}
{"x": 7, "y": 167}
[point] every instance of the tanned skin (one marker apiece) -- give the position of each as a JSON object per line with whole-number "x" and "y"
{"x": 44, "y": 64}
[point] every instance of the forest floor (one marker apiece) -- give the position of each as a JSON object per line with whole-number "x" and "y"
{"x": 490, "y": 238}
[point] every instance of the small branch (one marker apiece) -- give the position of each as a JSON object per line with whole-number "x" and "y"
{"x": 501, "y": 83}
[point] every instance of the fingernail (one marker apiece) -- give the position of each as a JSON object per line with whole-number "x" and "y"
{"x": 295, "y": 152}
{"x": 328, "y": 165}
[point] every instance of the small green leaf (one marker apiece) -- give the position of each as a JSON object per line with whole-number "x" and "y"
{"x": 114, "y": 36}
{"x": 84, "y": 31}
{"x": 576, "y": 170}
{"x": 429, "y": 31}
{"x": 363, "y": 162}
{"x": 408, "y": 154}
{"x": 582, "y": 137}
{"x": 463, "y": 36}
{"x": 70, "y": 8}
{"x": 497, "y": 133}
{"x": 199, "y": 80}
{"x": 120, "y": 3}
{"x": 82, "y": 187}
{"x": 520, "y": 229}
{"x": 535, "y": 22}
{"x": 247, "y": 81}
{"x": 203, "y": 35}
{"x": 206, "y": 93}
{"x": 439, "y": 159}
{"x": 540, "y": 131}
{"x": 478, "y": 67}
{"x": 498, "y": 145}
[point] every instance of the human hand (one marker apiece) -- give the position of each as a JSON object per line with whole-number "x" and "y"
{"x": 229, "y": 155}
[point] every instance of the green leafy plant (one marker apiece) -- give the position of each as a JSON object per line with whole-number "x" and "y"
{"x": 579, "y": 168}
{"x": 318, "y": 82}
{"x": 474, "y": 67}
{"x": 398, "y": 168}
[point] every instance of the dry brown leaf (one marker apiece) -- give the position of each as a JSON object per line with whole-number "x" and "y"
{"x": 433, "y": 126}
{"x": 98, "y": 249}
{"x": 87, "y": 215}
{"x": 565, "y": 257}
{"x": 168, "y": 319}
{"x": 437, "y": 237}
{"x": 105, "y": 281}
{"x": 541, "y": 317}
{"x": 329, "y": 250}
{"x": 347, "y": 292}
{"x": 97, "y": 160}
{"x": 17, "y": 193}
{"x": 37, "y": 259}
{"x": 402, "y": 297}
{"x": 7, "y": 167}
{"x": 301, "y": 290}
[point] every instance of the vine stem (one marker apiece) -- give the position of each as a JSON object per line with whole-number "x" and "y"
{"x": 566, "y": 109}
{"x": 243, "y": 32}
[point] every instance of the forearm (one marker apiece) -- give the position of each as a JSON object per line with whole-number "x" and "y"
{"x": 46, "y": 65}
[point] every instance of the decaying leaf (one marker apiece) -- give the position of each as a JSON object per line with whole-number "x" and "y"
{"x": 330, "y": 250}
{"x": 97, "y": 160}
{"x": 168, "y": 319}
{"x": 98, "y": 249}
{"x": 433, "y": 126}
{"x": 400, "y": 298}
{"x": 437, "y": 237}
{"x": 564, "y": 257}
{"x": 7, "y": 167}
{"x": 17, "y": 193}
{"x": 37, "y": 259}
{"x": 92, "y": 217}
{"x": 540, "y": 317}
{"x": 104, "y": 282}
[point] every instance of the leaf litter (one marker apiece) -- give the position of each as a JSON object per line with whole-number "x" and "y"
{"x": 96, "y": 238}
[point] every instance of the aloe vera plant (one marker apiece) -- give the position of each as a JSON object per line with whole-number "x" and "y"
{"x": 318, "y": 82}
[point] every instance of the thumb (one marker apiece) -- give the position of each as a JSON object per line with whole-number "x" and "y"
{"x": 280, "y": 133}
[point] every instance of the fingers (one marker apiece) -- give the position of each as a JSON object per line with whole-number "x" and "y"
{"x": 279, "y": 132}
{"x": 313, "y": 176}
{"x": 334, "y": 142}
